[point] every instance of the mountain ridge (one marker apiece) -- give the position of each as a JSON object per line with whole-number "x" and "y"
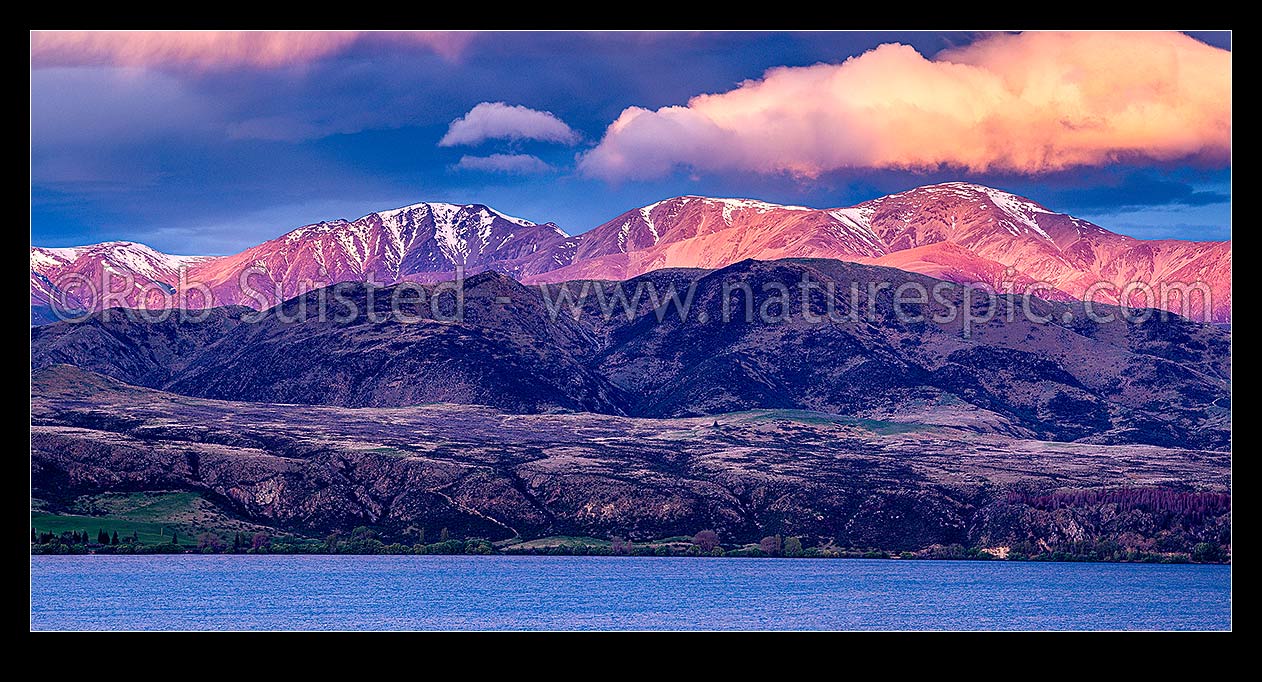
{"x": 960, "y": 232}
{"x": 1161, "y": 381}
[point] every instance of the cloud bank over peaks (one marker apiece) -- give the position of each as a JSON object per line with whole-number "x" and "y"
{"x": 1024, "y": 103}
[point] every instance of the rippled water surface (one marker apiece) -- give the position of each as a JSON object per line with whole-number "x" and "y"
{"x": 615, "y": 593}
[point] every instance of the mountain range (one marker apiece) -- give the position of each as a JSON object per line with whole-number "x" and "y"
{"x": 514, "y": 423}
{"x": 1068, "y": 378}
{"x": 959, "y": 232}
{"x": 1047, "y": 429}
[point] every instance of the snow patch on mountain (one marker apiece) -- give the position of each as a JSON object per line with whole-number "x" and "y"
{"x": 858, "y": 222}
{"x": 1022, "y": 211}
{"x": 646, "y": 215}
{"x": 117, "y": 257}
{"x": 447, "y": 234}
{"x": 47, "y": 258}
{"x": 623, "y": 233}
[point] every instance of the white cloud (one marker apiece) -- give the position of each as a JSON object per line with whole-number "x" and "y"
{"x": 514, "y": 164}
{"x": 1029, "y": 103}
{"x": 501, "y": 121}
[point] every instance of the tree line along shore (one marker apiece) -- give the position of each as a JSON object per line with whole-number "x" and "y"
{"x": 365, "y": 541}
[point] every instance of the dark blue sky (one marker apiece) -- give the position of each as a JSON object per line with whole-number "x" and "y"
{"x": 212, "y": 160}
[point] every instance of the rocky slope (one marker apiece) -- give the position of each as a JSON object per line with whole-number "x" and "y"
{"x": 1059, "y": 376}
{"x": 71, "y": 277}
{"x": 957, "y": 231}
{"x": 422, "y": 242}
{"x": 481, "y": 472}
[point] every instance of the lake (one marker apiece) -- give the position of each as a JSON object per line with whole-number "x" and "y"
{"x": 616, "y": 593}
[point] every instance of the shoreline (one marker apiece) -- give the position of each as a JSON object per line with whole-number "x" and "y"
{"x": 1045, "y": 559}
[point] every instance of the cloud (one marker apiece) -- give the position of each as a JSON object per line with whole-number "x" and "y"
{"x": 500, "y": 121}
{"x": 208, "y": 50}
{"x": 1027, "y": 103}
{"x": 303, "y": 125}
{"x": 514, "y": 164}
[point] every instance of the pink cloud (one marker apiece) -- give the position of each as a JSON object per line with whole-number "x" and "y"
{"x": 501, "y": 121}
{"x": 221, "y": 49}
{"x": 1028, "y": 103}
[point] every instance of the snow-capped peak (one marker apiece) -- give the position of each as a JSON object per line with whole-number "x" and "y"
{"x": 45, "y": 257}
{"x": 729, "y": 205}
{"x": 133, "y": 256}
{"x": 1005, "y": 200}
{"x": 512, "y": 219}
{"x": 735, "y": 203}
{"x": 1022, "y": 211}
{"x": 442, "y": 208}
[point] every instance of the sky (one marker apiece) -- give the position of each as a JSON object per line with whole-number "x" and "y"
{"x": 211, "y": 142}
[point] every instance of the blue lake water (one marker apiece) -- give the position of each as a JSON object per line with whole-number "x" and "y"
{"x": 616, "y": 593}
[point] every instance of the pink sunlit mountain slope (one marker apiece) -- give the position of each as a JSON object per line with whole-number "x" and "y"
{"x": 422, "y": 242}
{"x": 58, "y": 273}
{"x": 955, "y": 231}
